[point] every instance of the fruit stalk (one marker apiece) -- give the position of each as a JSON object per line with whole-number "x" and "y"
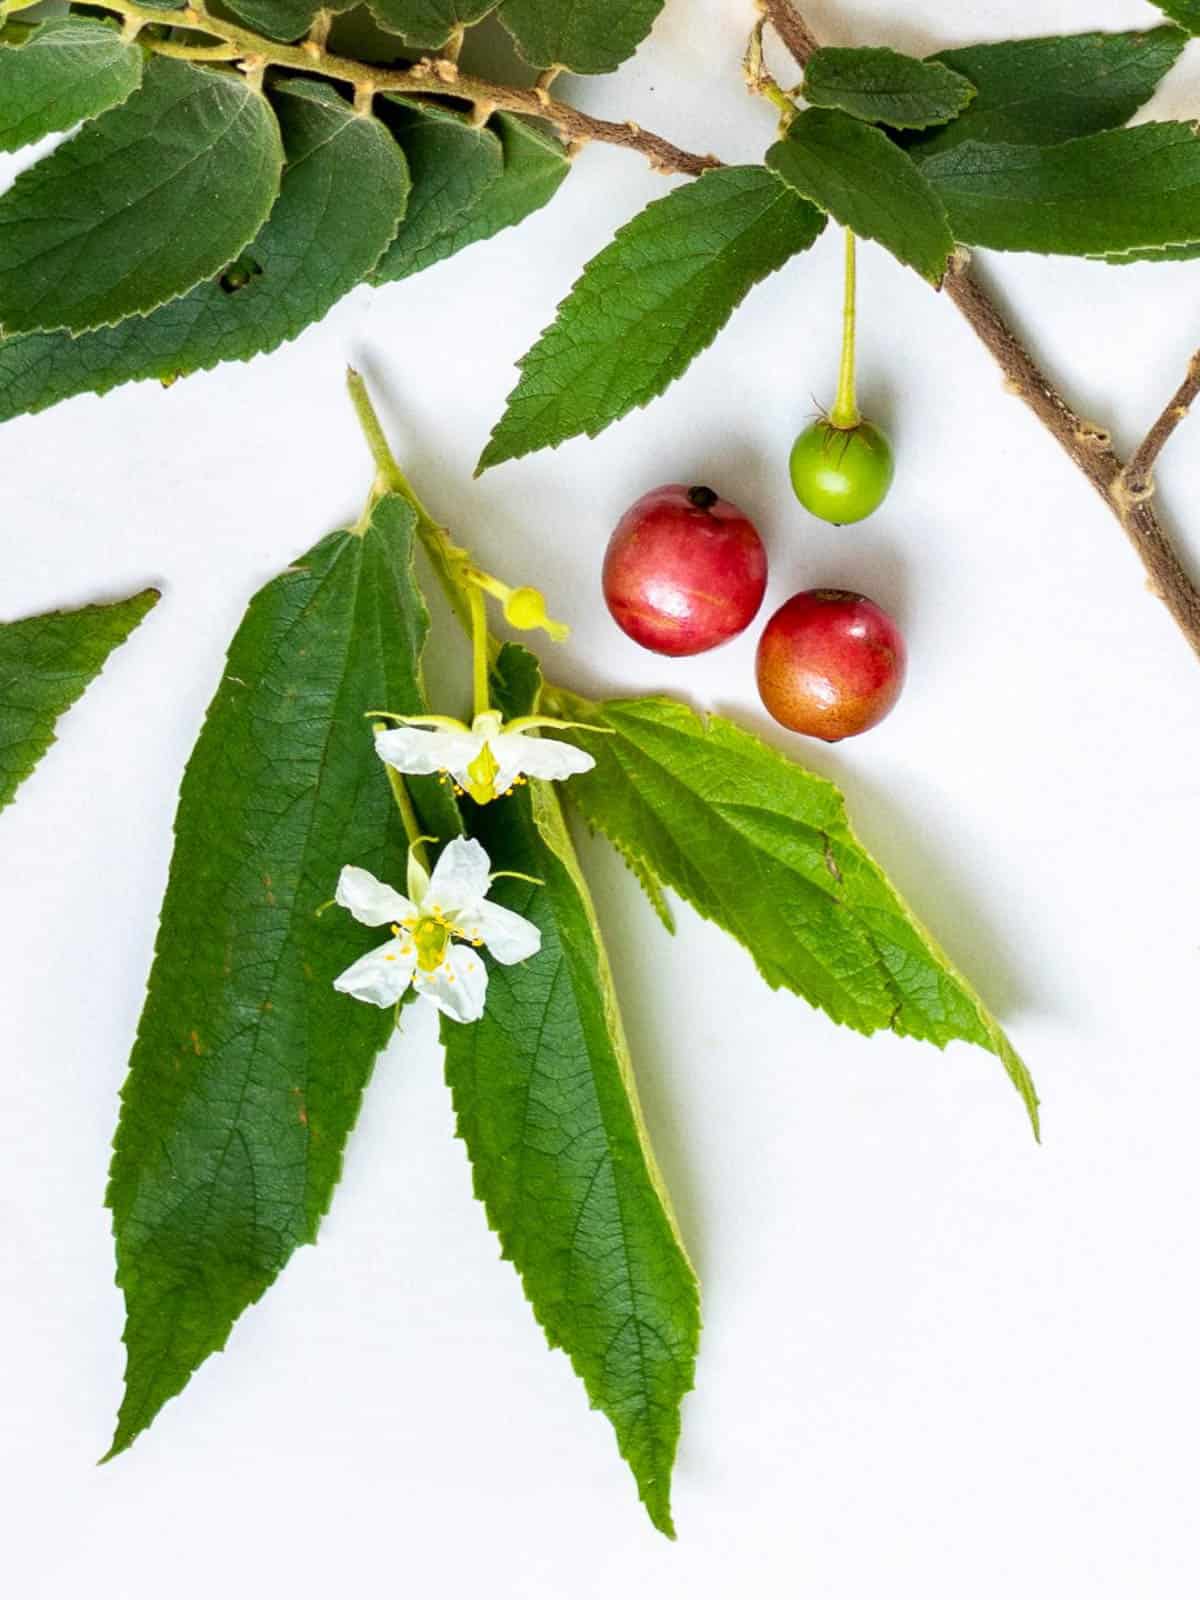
{"x": 845, "y": 413}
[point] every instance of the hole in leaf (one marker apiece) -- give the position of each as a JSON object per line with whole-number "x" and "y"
{"x": 239, "y": 273}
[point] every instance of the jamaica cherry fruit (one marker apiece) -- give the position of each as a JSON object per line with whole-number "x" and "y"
{"x": 830, "y": 664}
{"x": 685, "y": 570}
{"x": 842, "y": 474}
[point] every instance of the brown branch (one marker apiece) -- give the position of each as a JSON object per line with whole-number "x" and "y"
{"x": 1128, "y": 491}
{"x": 437, "y": 76}
{"x": 1139, "y": 474}
{"x": 792, "y": 29}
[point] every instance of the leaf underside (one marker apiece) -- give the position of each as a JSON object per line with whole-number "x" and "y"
{"x": 1109, "y": 193}
{"x": 248, "y": 1069}
{"x": 581, "y": 35}
{"x": 856, "y": 173}
{"x": 46, "y": 663}
{"x": 157, "y": 194}
{"x": 323, "y": 236}
{"x": 881, "y": 85}
{"x": 69, "y": 69}
{"x": 764, "y": 849}
{"x": 545, "y": 1101}
{"x": 1042, "y": 91}
{"x": 429, "y": 23}
{"x": 649, "y": 303}
{"x": 468, "y": 183}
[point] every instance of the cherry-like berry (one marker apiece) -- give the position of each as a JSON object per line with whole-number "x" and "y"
{"x": 685, "y": 570}
{"x": 842, "y": 474}
{"x": 830, "y": 664}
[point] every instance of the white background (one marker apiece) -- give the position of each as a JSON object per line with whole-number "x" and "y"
{"x": 937, "y": 1360}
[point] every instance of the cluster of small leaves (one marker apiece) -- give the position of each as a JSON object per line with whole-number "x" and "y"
{"x": 1020, "y": 145}
{"x": 197, "y": 217}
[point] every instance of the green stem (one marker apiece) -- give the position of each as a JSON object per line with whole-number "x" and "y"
{"x": 444, "y": 555}
{"x": 408, "y": 815}
{"x": 479, "y": 647}
{"x": 845, "y": 413}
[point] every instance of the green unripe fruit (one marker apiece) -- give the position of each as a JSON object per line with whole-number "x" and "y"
{"x": 842, "y": 474}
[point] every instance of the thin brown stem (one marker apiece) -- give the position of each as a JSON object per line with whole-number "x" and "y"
{"x": 1139, "y": 474}
{"x": 1128, "y": 491}
{"x": 436, "y": 76}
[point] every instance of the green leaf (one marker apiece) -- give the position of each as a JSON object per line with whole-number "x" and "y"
{"x": 67, "y": 70}
{"x": 879, "y": 85}
{"x": 1042, "y": 91}
{"x": 283, "y": 19}
{"x": 545, "y": 1099}
{"x": 1106, "y": 194}
{"x": 649, "y": 303}
{"x": 141, "y": 205}
{"x": 764, "y": 849}
{"x": 248, "y": 1070}
{"x": 1185, "y": 12}
{"x": 429, "y": 23}
{"x": 46, "y": 663}
{"x": 468, "y": 182}
{"x": 322, "y": 237}
{"x": 581, "y": 35}
{"x": 860, "y": 177}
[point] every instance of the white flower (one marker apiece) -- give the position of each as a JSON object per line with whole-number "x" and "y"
{"x": 452, "y": 904}
{"x": 487, "y": 758}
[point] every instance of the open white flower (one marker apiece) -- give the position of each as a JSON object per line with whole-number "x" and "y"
{"x": 485, "y": 759}
{"x": 450, "y": 905}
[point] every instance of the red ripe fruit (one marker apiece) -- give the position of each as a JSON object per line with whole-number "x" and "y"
{"x": 685, "y": 570}
{"x": 830, "y": 664}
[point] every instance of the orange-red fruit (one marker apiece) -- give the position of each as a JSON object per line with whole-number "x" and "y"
{"x": 685, "y": 570}
{"x": 830, "y": 664}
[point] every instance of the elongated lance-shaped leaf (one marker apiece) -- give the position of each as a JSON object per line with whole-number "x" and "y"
{"x": 581, "y": 35}
{"x": 859, "y": 176}
{"x": 322, "y": 237}
{"x": 649, "y": 303}
{"x": 545, "y": 1100}
{"x": 880, "y": 85}
{"x": 468, "y": 182}
{"x": 140, "y": 205}
{"x": 248, "y": 1069}
{"x": 68, "y": 69}
{"x": 764, "y": 849}
{"x": 1042, "y": 91}
{"x": 1111, "y": 193}
{"x": 429, "y": 23}
{"x": 46, "y": 663}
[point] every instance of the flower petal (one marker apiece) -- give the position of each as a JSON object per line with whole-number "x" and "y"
{"x": 369, "y": 901}
{"x": 419, "y": 750}
{"x": 458, "y": 987}
{"x": 382, "y": 975}
{"x": 509, "y": 937}
{"x": 540, "y": 758}
{"x": 461, "y": 878}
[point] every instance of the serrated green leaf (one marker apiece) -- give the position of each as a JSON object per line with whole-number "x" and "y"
{"x": 322, "y": 237}
{"x": 859, "y": 176}
{"x": 1110, "y": 193}
{"x": 248, "y": 1070}
{"x": 1169, "y": 252}
{"x": 283, "y": 19}
{"x": 545, "y": 1099}
{"x": 46, "y": 663}
{"x": 429, "y": 23}
{"x": 141, "y": 205}
{"x": 649, "y": 303}
{"x": 68, "y": 69}
{"x": 468, "y": 182}
{"x": 880, "y": 85}
{"x": 1185, "y": 12}
{"x": 1042, "y": 91}
{"x": 764, "y": 849}
{"x": 582, "y": 35}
